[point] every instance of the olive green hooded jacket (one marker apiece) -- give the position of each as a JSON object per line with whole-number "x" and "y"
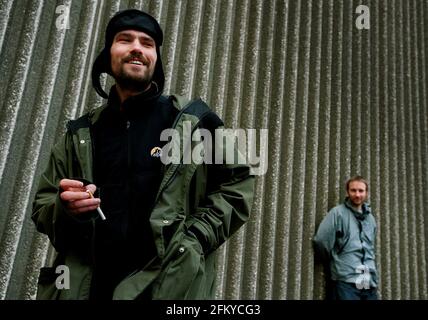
{"x": 183, "y": 268}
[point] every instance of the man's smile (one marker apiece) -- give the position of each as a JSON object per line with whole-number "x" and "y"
{"x": 136, "y": 60}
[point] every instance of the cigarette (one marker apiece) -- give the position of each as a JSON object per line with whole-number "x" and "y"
{"x": 100, "y": 212}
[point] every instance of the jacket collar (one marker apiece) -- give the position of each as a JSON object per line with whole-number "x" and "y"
{"x": 133, "y": 106}
{"x": 366, "y": 210}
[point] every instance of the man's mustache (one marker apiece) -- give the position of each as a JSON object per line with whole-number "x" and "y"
{"x": 137, "y": 56}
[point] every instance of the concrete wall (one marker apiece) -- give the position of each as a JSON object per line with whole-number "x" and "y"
{"x": 337, "y": 101}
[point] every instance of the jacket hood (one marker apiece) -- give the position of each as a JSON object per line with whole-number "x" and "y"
{"x": 366, "y": 210}
{"x": 123, "y": 20}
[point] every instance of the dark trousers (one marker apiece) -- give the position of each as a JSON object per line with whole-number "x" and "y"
{"x": 348, "y": 291}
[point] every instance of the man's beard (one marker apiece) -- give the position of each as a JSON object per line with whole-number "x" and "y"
{"x": 129, "y": 81}
{"x": 133, "y": 82}
{"x": 357, "y": 202}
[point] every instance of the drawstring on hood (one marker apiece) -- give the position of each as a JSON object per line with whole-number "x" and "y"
{"x": 123, "y": 20}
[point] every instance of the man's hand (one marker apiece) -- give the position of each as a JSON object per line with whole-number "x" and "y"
{"x": 76, "y": 199}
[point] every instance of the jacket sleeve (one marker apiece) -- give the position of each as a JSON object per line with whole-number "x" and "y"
{"x": 325, "y": 238}
{"x": 227, "y": 204}
{"x": 49, "y": 214}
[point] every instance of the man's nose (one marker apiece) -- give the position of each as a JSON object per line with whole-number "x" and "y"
{"x": 136, "y": 47}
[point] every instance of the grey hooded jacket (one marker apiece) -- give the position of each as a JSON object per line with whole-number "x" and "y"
{"x": 345, "y": 240}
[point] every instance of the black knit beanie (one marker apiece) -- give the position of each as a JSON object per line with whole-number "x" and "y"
{"x": 128, "y": 19}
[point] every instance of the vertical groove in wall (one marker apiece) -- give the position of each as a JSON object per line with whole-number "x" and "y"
{"x": 15, "y": 90}
{"x": 365, "y": 82}
{"x": 243, "y": 85}
{"x": 335, "y": 108}
{"x": 392, "y": 106}
{"x": 238, "y": 78}
{"x": 375, "y": 129}
{"x": 303, "y": 11}
{"x": 421, "y": 41}
{"x": 347, "y": 95}
{"x": 222, "y": 54}
{"x": 39, "y": 115}
{"x": 287, "y": 144}
{"x": 139, "y": 4}
{"x": 247, "y": 91}
{"x": 80, "y": 69}
{"x": 425, "y": 126}
{"x": 421, "y": 251}
{"x": 5, "y": 7}
{"x": 233, "y": 82}
{"x": 290, "y": 105}
{"x": 406, "y": 213}
{"x": 170, "y": 47}
{"x": 401, "y": 160}
{"x": 188, "y": 58}
{"x": 356, "y": 133}
{"x": 231, "y": 93}
{"x": 384, "y": 151}
{"x": 106, "y": 10}
{"x": 157, "y": 8}
{"x": 325, "y": 82}
{"x": 10, "y": 239}
{"x": 9, "y": 18}
{"x": 408, "y": 71}
{"x": 218, "y": 93}
{"x": 206, "y": 52}
{"x": 337, "y": 101}
{"x": 262, "y": 99}
{"x": 94, "y": 37}
{"x": 276, "y": 149}
{"x": 314, "y": 144}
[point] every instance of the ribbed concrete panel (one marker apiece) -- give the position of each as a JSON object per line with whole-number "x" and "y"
{"x": 337, "y": 101}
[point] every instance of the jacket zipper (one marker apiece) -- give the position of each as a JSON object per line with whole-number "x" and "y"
{"x": 93, "y": 178}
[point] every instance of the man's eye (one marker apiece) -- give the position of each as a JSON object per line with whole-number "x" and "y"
{"x": 148, "y": 44}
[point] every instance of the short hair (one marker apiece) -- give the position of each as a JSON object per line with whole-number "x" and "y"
{"x": 357, "y": 178}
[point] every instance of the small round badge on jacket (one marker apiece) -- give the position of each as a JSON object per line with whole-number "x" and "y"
{"x": 156, "y": 152}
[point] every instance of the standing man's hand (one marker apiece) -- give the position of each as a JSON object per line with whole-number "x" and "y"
{"x": 77, "y": 200}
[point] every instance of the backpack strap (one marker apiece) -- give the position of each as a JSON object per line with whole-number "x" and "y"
{"x": 82, "y": 122}
{"x": 207, "y": 118}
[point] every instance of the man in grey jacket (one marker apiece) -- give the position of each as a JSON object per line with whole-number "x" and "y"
{"x": 345, "y": 243}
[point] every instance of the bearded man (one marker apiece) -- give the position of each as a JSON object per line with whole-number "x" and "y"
{"x": 126, "y": 225}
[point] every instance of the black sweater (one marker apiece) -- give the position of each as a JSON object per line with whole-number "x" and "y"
{"x": 128, "y": 178}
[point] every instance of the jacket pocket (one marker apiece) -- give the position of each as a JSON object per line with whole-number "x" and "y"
{"x": 46, "y": 286}
{"x": 182, "y": 272}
